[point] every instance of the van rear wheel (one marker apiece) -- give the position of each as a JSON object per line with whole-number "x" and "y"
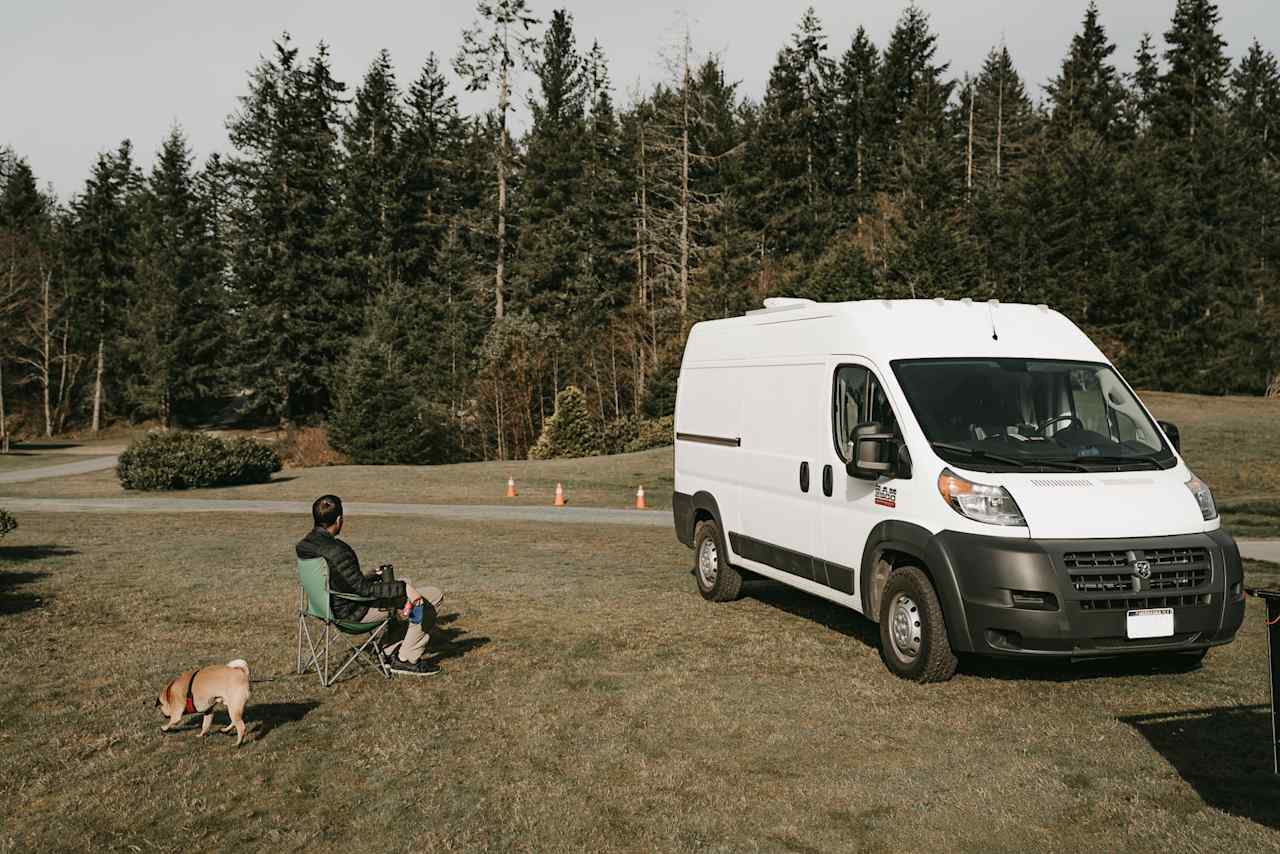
{"x": 913, "y": 634}
{"x": 717, "y": 580}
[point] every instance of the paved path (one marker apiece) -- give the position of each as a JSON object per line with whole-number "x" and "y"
{"x": 1260, "y": 549}
{"x": 482, "y": 512}
{"x": 62, "y": 470}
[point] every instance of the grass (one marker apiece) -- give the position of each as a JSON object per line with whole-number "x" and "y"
{"x": 591, "y": 702}
{"x": 588, "y": 482}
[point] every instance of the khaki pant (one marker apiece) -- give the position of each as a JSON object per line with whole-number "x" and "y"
{"x": 415, "y": 637}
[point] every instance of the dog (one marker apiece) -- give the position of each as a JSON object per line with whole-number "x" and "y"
{"x": 198, "y": 691}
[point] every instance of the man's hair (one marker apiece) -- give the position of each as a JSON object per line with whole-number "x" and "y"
{"x": 326, "y": 510}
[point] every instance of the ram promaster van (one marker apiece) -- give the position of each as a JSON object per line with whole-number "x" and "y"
{"x": 976, "y": 477}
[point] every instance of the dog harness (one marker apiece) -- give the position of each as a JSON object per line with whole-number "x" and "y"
{"x": 190, "y": 708}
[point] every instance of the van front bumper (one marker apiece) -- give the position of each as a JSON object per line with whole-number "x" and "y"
{"x": 1023, "y": 598}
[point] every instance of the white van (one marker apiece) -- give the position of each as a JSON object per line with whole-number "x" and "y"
{"x": 975, "y": 476}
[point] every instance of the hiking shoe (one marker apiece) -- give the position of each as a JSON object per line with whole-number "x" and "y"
{"x": 416, "y": 668}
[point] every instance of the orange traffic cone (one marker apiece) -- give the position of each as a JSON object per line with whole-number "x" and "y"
{"x": 511, "y": 487}
{"x": 560, "y": 502}
{"x": 640, "y": 498}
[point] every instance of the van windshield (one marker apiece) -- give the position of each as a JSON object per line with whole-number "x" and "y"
{"x": 1011, "y": 414}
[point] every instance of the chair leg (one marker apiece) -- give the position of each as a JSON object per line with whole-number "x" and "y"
{"x": 358, "y": 651}
{"x": 313, "y": 653}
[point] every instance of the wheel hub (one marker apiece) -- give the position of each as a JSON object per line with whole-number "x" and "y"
{"x": 708, "y": 563}
{"x": 904, "y": 627}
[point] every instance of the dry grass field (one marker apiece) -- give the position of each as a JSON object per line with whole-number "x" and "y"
{"x": 591, "y": 701}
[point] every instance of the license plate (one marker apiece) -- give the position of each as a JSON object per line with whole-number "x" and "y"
{"x": 1150, "y": 623}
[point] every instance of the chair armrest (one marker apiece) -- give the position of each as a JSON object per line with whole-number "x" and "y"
{"x": 351, "y": 597}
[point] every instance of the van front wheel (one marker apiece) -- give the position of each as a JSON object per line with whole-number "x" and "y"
{"x": 717, "y": 580}
{"x": 913, "y": 635}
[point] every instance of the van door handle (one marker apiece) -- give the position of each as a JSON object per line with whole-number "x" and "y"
{"x": 804, "y": 476}
{"x": 827, "y": 481}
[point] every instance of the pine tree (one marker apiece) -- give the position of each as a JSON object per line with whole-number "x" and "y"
{"x": 1002, "y": 121}
{"x": 297, "y": 313}
{"x": 102, "y": 248}
{"x": 1193, "y": 86}
{"x": 175, "y": 326}
{"x": 498, "y": 46}
{"x": 1088, "y": 92}
{"x": 1144, "y": 82}
{"x": 1255, "y": 99}
{"x": 913, "y": 95}
{"x": 373, "y": 216}
{"x": 556, "y": 153}
{"x": 857, "y": 94}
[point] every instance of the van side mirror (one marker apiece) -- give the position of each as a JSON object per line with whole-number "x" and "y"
{"x": 1175, "y": 436}
{"x": 873, "y": 453}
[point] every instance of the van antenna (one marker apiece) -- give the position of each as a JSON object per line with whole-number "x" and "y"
{"x": 991, "y": 313}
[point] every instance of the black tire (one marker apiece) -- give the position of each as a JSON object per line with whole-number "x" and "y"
{"x": 717, "y": 581}
{"x": 919, "y": 650}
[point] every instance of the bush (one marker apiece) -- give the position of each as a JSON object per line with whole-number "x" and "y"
{"x": 633, "y": 433}
{"x": 304, "y": 447}
{"x": 570, "y": 432}
{"x": 177, "y": 460}
{"x": 7, "y": 523}
{"x": 377, "y": 418}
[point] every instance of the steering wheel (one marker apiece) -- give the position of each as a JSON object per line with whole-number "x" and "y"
{"x": 1071, "y": 420}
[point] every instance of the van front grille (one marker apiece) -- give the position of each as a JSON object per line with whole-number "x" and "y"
{"x": 1108, "y": 581}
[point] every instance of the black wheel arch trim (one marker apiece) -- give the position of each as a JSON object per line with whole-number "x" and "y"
{"x": 685, "y": 508}
{"x": 919, "y": 543}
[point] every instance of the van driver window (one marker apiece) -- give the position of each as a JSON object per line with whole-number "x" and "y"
{"x": 857, "y": 399}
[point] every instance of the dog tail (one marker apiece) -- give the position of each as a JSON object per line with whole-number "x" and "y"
{"x": 240, "y": 664}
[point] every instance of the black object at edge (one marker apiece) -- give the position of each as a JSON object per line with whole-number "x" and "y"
{"x": 735, "y": 442}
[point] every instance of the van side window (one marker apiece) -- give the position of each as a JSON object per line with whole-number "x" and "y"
{"x": 856, "y": 399}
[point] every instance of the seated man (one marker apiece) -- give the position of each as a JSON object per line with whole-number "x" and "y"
{"x": 345, "y": 577}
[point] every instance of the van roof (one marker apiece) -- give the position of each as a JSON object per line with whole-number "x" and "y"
{"x": 883, "y": 330}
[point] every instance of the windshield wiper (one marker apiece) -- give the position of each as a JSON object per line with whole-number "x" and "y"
{"x": 979, "y": 454}
{"x": 1116, "y": 460}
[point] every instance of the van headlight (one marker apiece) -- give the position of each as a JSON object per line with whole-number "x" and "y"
{"x": 979, "y": 501}
{"x": 1204, "y": 497}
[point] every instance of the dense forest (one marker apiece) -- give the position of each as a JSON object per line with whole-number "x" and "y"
{"x": 373, "y": 250}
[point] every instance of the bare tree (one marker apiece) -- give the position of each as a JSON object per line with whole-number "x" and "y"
{"x": 498, "y": 45}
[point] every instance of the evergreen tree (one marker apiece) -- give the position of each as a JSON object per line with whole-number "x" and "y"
{"x": 1002, "y": 122}
{"x": 175, "y": 325}
{"x": 1143, "y": 85}
{"x": 913, "y": 95}
{"x": 296, "y": 311}
{"x": 556, "y": 153}
{"x": 373, "y": 216}
{"x": 1087, "y": 92}
{"x": 498, "y": 46}
{"x": 1193, "y": 86}
{"x": 857, "y": 95}
{"x": 1255, "y": 99}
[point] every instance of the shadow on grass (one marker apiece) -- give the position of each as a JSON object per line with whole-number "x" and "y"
{"x": 1065, "y": 670}
{"x": 22, "y": 554}
{"x": 450, "y": 641}
{"x": 1223, "y": 753}
{"x": 16, "y": 603}
{"x": 800, "y": 604}
{"x": 269, "y": 716}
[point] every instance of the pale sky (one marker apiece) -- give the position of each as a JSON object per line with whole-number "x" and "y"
{"x": 76, "y": 78}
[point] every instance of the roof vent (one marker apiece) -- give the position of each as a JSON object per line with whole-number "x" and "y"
{"x": 773, "y": 304}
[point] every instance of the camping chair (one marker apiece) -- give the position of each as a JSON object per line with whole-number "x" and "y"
{"x": 314, "y": 604}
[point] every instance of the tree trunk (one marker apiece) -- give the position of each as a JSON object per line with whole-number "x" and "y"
{"x": 684, "y": 192}
{"x": 968, "y": 154}
{"x": 999, "y": 126}
{"x": 4, "y": 427}
{"x": 45, "y": 337}
{"x": 97, "y": 386}
{"x": 502, "y": 194}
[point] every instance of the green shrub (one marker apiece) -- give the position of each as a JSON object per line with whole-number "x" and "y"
{"x": 634, "y": 433}
{"x": 7, "y": 523}
{"x": 652, "y": 433}
{"x": 570, "y": 432}
{"x": 178, "y": 460}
